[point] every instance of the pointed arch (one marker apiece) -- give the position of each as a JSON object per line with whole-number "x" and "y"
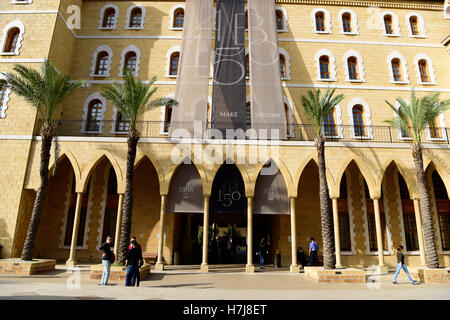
{"x": 296, "y": 179}
{"x": 372, "y": 182}
{"x": 154, "y": 162}
{"x": 73, "y": 162}
{"x": 93, "y": 164}
{"x": 284, "y": 172}
{"x": 170, "y": 173}
{"x": 441, "y": 171}
{"x": 403, "y": 170}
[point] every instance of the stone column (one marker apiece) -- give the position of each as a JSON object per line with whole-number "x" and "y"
{"x": 118, "y": 225}
{"x": 204, "y": 265}
{"x": 376, "y": 207}
{"x": 419, "y": 231}
{"x": 249, "y": 267}
{"x": 159, "y": 266}
{"x": 337, "y": 240}
{"x": 76, "y": 223}
{"x": 294, "y": 266}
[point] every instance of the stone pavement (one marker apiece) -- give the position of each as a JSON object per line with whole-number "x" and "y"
{"x": 188, "y": 283}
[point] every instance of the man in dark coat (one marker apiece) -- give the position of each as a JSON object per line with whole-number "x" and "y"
{"x": 133, "y": 262}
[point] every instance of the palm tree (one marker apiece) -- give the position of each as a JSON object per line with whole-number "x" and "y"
{"x": 45, "y": 90}
{"x": 317, "y": 107}
{"x": 132, "y": 98}
{"x": 416, "y": 115}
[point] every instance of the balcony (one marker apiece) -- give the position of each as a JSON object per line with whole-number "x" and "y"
{"x": 296, "y": 132}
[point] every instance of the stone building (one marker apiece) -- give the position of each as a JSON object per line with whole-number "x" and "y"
{"x": 371, "y": 51}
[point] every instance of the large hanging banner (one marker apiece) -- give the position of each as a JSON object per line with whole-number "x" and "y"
{"x": 266, "y": 94}
{"x": 194, "y": 67}
{"x": 185, "y": 192}
{"x": 271, "y": 195}
{"x": 229, "y": 96}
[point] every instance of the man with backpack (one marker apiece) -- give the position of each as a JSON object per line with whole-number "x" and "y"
{"x": 107, "y": 255}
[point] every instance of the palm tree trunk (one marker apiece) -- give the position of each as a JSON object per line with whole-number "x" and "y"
{"x": 425, "y": 209}
{"x": 329, "y": 261}
{"x": 46, "y": 144}
{"x": 125, "y": 232}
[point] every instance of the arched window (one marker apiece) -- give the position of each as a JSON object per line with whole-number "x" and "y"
{"x": 173, "y": 67}
{"x": 12, "y": 40}
{"x": 279, "y": 20}
{"x": 3, "y": 89}
{"x": 329, "y": 125}
{"x": 388, "y": 24}
{"x": 248, "y": 115}
{"x": 101, "y": 67}
{"x": 435, "y": 131}
{"x": 396, "y": 69}
{"x": 122, "y": 124}
{"x": 347, "y": 22}
{"x": 352, "y": 64}
{"x": 136, "y": 18}
{"x": 94, "y": 116}
{"x": 423, "y": 69}
{"x": 130, "y": 62}
{"x": 288, "y": 125}
{"x": 320, "y": 21}
{"x": 109, "y": 18}
{"x": 324, "y": 63}
{"x": 414, "y": 25}
{"x": 167, "y": 118}
{"x": 358, "y": 122}
{"x": 178, "y": 18}
{"x": 283, "y": 69}
{"x": 404, "y": 134}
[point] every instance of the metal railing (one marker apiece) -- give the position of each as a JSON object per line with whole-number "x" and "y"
{"x": 295, "y": 132}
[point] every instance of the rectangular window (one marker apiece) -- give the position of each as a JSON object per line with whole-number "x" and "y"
{"x": 444, "y": 226}
{"x": 371, "y": 226}
{"x": 409, "y": 221}
{"x": 344, "y": 231}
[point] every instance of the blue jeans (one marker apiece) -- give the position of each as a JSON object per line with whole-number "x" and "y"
{"x": 399, "y": 267}
{"x": 106, "y": 269}
{"x": 130, "y": 279}
{"x": 261, "y": 259}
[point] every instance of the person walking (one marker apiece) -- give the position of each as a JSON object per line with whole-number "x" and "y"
{"x": 401, "y": 265}
{"x": 313, "y": 248}
{"x": 133, "y": 262}
{"x": 262, "y": 250}
{"x": 105, "y": 248}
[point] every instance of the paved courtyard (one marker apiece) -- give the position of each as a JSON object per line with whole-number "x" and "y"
{"x": 220, "y": 284}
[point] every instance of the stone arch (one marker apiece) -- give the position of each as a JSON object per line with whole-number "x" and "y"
{"x": 330, "y": 179}
{"x": 441, "y": 171}
{"x": 372, "y": 182}
{"x": 154, "y": 162}
{"x": 206, "y": 184}
{"x": 402, "y": 168}
{"x": 73, "y": 162}
{"x": 249, "y": 188}
{"x": 93, "y": 164}
{"x": 284, "y": 172}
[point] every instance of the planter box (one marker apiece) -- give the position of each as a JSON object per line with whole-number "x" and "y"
{"x": 21, "y": 267}
{"x": 116, "y": 272}
{"x": 348, "y": 275}
{"x": 427, "y": 275}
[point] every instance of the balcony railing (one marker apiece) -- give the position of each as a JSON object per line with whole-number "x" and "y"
{"x": 295, "y": 132}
